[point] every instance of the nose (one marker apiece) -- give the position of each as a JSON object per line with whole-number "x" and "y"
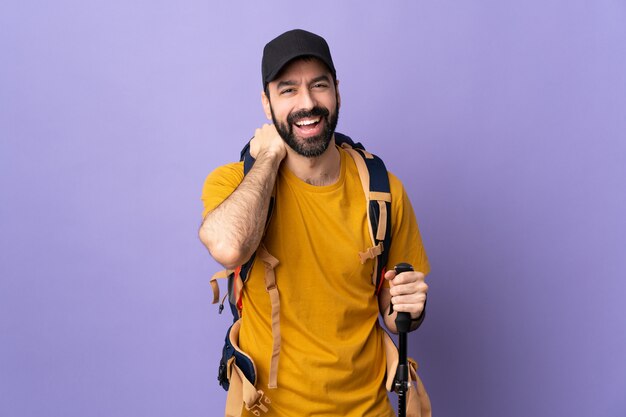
{"x": 306, "y": 101}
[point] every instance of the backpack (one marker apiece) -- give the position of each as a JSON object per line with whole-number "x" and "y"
{"x": 236, "y": 365}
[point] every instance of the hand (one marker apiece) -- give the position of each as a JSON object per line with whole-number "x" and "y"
{"x": 408, "y": 291}
{"x": 266, "y": 140}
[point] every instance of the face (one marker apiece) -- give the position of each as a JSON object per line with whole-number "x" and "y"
{"x": 303, "y": 102}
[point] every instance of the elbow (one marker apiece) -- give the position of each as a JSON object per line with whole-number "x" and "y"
{"x": 222, "y": 252}
{"x": 230, "y": 258}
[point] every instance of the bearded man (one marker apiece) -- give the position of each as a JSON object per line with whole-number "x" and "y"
{"x": 332, "y": 354}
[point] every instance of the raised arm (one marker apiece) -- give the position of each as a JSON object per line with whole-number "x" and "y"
{"x": 233, "y": 230}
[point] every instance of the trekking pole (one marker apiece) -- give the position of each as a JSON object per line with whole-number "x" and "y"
{"x": 403, "y": 324}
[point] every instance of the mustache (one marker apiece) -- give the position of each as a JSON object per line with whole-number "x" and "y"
{"x": 303, "y": 114}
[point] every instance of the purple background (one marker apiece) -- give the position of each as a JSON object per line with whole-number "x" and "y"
{"x": 505, "y": 119}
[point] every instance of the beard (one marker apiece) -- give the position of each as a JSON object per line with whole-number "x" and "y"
{"x": 313, "y": 146}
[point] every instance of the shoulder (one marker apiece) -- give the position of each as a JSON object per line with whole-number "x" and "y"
{"x": 396, "y": 186}
{"x": 226, "y": 174}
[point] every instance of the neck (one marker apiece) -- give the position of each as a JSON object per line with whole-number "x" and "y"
{"x": 320, "y": 170}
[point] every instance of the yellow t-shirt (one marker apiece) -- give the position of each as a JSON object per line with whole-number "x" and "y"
{"x": 332, "y": 361}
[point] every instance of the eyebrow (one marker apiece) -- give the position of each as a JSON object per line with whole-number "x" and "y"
{"x": 288, "y": 83}
{"x": 320, "y": 78}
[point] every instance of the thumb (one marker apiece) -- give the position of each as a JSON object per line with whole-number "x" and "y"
{"x": 391, "y": 274}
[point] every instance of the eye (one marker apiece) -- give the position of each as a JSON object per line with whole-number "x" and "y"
{"x": 287, "y": 91}
{"x": 320, "y": 85}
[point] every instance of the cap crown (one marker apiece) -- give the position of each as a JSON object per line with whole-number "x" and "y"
{"x": 290, "y": 45}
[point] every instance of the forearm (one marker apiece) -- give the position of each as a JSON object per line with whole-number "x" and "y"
{"x": 233, "y": 230}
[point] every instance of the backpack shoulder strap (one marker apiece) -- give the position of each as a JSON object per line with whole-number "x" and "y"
{"x": 246, "y": 158}
{"x": 375, "y": 182}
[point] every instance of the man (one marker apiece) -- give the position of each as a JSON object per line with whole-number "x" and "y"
{"x": 332, "y": 359}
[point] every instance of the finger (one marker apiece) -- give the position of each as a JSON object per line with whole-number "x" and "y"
{"x": 391, "y": 274}
{"x": 414, "y": 308}
{"x": 407, "y": 277}
{"x": 411, "y": 298}
{"x": 417, "y": 287}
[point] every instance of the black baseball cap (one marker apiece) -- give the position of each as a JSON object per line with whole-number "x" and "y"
{"x": 290, "y": 45}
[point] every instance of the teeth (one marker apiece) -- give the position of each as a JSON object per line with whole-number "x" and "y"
{"x": 307, "y": 122}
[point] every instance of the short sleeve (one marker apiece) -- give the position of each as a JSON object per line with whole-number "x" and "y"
{"x": 220, "y": 184}
{"x": 406, "y": 241}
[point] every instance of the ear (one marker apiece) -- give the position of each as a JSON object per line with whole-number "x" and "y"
{"x": 266, "y": 105}
{"x": 337, "y": 92}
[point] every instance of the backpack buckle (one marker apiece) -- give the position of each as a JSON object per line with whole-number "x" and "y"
{"x": 260, "y": 405}
{"x": 371, "y": 253}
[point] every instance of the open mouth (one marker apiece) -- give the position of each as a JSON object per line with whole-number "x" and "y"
{"x": 309, "y": 125}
